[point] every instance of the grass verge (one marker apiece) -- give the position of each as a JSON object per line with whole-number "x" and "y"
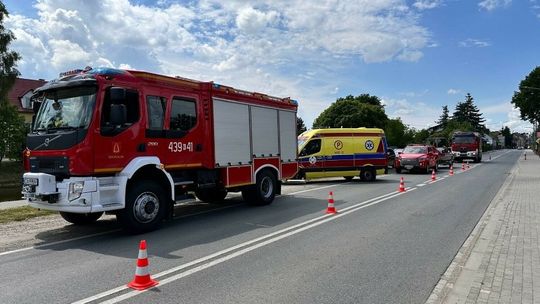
{"x": 21, "y": 214}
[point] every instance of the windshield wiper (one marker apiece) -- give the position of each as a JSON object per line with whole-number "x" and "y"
{"x": 56, "y": 129}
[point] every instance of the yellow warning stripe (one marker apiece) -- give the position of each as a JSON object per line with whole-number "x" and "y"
{"x": 183, "y": 166}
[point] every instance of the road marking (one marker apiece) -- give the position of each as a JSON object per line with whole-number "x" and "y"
{"x": 420, "y": 185}
{"x": 247, "y": 247}
{"x": 117, "y": 230}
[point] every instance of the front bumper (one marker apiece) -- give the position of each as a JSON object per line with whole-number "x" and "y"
{"x": 465, "y": 154}
{"x": 97, "y": 195}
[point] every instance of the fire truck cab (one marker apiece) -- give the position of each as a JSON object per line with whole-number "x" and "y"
{"x": 133, "y": 142}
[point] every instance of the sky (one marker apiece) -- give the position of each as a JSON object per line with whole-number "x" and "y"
{"x": 416, "y": 56}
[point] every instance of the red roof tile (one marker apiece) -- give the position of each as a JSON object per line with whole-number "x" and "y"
{"x": 21, "y": 87}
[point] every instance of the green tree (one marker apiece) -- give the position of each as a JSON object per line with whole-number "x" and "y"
{"x": 397, "y": 133}
{"x": 421, "y": 136}
{"x": 353, "y": 112}
{"x": 467, "y": 111}
{"x": 300, "y": 126}
{"x": 444, "y": 118}
{"x": 11, "y": 124}
{"x": 507, "y": 137}
{"x": 527, "y": 99}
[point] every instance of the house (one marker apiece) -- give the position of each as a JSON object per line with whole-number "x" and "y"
{"x": 20, "y": 94}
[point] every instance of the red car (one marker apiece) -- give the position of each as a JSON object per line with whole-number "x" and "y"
{"x": 423, "y": 158}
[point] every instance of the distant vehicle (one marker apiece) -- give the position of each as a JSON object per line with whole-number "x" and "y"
{"x": 445, "y": 156}
{"x": 467, "y": 145}
{"x": 391, "y": 157}
{"x": 346, "y": 152}
{"x": 423, "y": 158}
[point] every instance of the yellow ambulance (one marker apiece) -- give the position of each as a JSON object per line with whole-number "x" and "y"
{"x": 346, "y": 152}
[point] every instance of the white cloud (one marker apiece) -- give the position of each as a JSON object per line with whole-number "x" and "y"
{"x": 256, "y": 46}
{"x": 453, "y": 91}
{"x": 427, "y": 4}
{"x": 490, "y": 5}
{"x": 470, "y": 42}
{"x": 418, "y": 115}
{"x": 516, "y": 124}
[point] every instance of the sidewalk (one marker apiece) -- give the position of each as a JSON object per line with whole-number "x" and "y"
{"x": 500, "y": 261}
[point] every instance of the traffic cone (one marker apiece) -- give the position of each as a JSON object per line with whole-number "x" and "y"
{"x": 468, "y": 167}
{"x": 142, "y": 278}
{"x": 331, "y": 209}
{"x": 462, "y": 166}
{"x": 451, "y": 170}
{"x": 433, "y": 177}
{"x": 401, "y": 185}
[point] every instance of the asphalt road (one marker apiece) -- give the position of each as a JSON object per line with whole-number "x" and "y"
{"x": 382, "y": 246}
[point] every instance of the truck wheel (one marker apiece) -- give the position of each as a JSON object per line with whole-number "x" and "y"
{"x": 367, "y": 175}
{"x": 146, "y": 205}
{"x": 211, "y": 195}
{"x": 263, "y": 192}
{"x": 81, "y": 218}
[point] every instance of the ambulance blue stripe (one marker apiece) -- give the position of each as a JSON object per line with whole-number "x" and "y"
{"x": 350, "y": 156}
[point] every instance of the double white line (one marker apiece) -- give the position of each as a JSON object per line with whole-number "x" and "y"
{"x": 192, "y": 267}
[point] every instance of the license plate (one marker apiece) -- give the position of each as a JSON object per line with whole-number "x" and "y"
{"x": 408, "y": 167}
{"x": 31, "y": 181}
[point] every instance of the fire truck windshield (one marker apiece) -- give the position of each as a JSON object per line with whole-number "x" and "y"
{"x": 66, "y": 108}
{"x": 464, "y": 140}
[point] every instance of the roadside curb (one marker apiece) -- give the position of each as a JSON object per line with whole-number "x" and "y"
{"x": 449, "y": 278}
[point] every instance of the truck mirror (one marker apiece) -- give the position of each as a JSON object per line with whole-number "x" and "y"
{"x": 118, "y": 116}
{"x": 118, "y": 95}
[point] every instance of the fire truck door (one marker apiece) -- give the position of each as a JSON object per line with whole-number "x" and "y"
{"x": 184, "y": 136}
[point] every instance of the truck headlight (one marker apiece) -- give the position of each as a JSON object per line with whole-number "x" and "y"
{"x": 75, "y": 190}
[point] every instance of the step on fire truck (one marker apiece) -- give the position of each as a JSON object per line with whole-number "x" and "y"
{"x": 131, "y": 143}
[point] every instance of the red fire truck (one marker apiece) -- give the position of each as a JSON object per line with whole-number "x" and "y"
{"x": 132, "y": 143}
{"x": 467, "y": 145}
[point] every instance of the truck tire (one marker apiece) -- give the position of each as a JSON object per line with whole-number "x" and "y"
{"x": 146, "y": 206}
{"x": 264, "y": 190}
{"x": 367, "y": 174}
{"x": 211, "y": 195}
{"x": 81, "y": 218}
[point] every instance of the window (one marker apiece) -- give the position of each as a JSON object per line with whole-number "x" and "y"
{"x": 155, "y": 108}
{"x": 183, "y": 114}
{"x": 312, "y": 147}
{"x": 130, "y": 103}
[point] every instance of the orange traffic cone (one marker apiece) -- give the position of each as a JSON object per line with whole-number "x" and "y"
{"x": 142, "y": 278}
{"x": 462, "y": 166}
{"x": 331, "y": 209}
{"x": 451, "y": 170}
{"x": 401, "y": 185}
{"x": 468, "y": 167}
{"x": 433, "y": 177}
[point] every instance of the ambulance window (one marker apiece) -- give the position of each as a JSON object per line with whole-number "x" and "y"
{"x": 183, "y": 116}
{"x": 312, "y": 147}
{"x": 155, "y": 108}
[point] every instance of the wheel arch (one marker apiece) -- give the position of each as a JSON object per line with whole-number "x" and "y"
{"x": 147, "y": 168}
{"x": 270, "y": 168}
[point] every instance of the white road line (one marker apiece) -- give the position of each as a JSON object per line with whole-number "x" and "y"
{"x": 420, "y": 185}
{"x": 267, "y": 239}
{"x": 117, "y": 230}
